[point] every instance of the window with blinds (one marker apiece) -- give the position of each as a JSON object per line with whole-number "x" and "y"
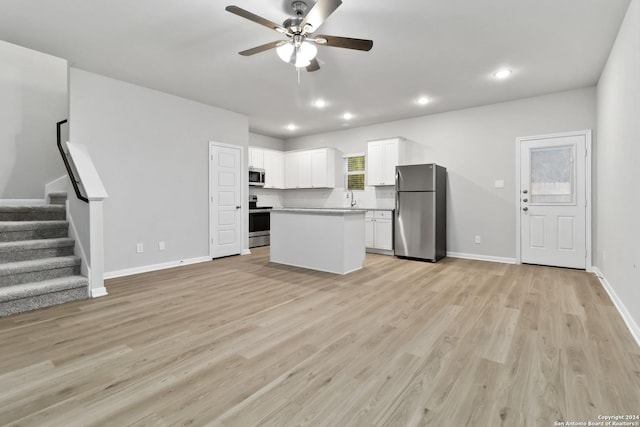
{"x": 354, "y": 172}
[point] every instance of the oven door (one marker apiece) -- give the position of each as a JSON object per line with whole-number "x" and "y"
{"x": 259, "y": 228}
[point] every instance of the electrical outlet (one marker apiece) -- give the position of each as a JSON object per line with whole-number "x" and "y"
{"x": 139, "y": 248}
{"x": 161, "y": 245}
{"x": 477, "y": 240}
{"x": 499, "y": 183}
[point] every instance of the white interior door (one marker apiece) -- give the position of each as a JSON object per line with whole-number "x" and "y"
{"x": 553, "y": 200}
{"x": 225, "y": 195}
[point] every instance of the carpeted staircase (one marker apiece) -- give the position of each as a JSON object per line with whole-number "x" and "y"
{"x": 37, "y": 264}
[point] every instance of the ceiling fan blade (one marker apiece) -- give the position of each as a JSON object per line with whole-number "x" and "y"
{"x": 318, "y": 14}
{"x": 262, "y": 48}
{"x": 314, "y": 66}
{"x": 345, "y": 42}
{"x": 255, "y": 18}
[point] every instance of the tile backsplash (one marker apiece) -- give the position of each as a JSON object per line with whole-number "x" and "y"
{"x": 370, "y": 198}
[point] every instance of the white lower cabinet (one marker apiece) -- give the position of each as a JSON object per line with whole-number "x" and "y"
{"x": 378, "y": 226}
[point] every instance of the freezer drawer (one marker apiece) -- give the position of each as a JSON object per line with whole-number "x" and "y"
{"x": 415, "y": 225}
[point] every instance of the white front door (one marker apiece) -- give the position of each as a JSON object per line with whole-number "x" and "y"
{"x": 552, "y": 200}
{"x": 225, "y": 195}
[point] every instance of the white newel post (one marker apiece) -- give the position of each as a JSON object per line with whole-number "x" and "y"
{"x": 96, "y": 235}
{"x": 96, "y": 194}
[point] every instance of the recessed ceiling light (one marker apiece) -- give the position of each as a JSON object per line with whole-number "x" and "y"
{"x": 347, "y": 116}
{"x": 291, "y": 126}
{"x": 423, "y": 100}
{"x": 320, "y": 103}
{"x": 502, "y": 74}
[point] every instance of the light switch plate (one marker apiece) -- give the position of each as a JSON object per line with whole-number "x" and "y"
{"x": 499, "y": 183}
{"x": 139, "y": 248}
{"x": 161, "y": 245}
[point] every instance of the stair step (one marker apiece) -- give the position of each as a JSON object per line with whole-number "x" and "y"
{"x": 30, "y": 296}
{"x": 12, "y": 231}
{"x": 57, "y": 197}
{"x": 16, "y": 273}
{"x": 33, "y": 213}
{"x": 35, "y": 249}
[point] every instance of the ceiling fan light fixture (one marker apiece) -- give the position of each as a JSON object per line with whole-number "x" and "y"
{"x": 301, "y": 56}
{"x": 306, "y": 52}
{"x": 285, "y": 51}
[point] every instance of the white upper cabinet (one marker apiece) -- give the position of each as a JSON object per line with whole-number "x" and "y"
{"x": 310, "y": 168}
{"x": 304, "y": 169}
{"x": 274, "y": 169}
{"x": 272, "y": 161}
{"x": 291, "y": 170}
{"x": 382, "y": 158}
{"x": 256, "y": 158}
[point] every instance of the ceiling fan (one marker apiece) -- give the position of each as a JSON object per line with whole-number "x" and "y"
{"x": 299, "y": 49}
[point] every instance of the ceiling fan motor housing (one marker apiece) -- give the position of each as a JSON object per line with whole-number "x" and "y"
{"x": 299, "y": 7}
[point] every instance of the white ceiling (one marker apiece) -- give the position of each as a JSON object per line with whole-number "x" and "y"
{"x": 443, "y": 49}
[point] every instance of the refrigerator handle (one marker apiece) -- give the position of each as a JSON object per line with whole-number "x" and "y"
{"x": 397, "y": 179}
{"x": 397, "y": 203}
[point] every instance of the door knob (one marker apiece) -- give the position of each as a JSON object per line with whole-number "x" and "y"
{"x": 525, "y": 209}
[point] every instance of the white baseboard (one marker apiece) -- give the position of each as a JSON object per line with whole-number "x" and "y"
{"x": 22, "y": 202}
{"x": 246, "y": 252}
{"x": 154, "y": 267}
{"x": 98, "y": 292}
{"x": 626, "y": 316}
{"x": 477, "y": 257}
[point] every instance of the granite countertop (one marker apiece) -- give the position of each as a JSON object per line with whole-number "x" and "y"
{"x": 356, "y": 208}
{"x": 325, "y": 211}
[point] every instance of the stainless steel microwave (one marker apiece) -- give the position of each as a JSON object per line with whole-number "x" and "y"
{"x": 256, "y": 177}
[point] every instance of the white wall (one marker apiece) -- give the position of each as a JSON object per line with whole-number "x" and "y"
{"x": 33, "y": 98}
{"x": 477, "y": 146}
{"x": 617, "y": 152}
{"x": 151, "y": 150}
{"x": 263, "y": 141}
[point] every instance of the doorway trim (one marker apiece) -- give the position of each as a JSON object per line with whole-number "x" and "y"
{"x": 243, "y": 196}
{"x": 588, "y": 208}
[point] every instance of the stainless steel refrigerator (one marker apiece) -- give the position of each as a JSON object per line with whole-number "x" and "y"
{"x": 421, "y": 212}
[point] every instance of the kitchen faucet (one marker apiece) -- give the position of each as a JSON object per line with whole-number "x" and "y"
{"x": 353, "y": 201}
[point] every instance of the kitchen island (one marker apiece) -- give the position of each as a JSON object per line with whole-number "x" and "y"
{"x": 330, "y": 240}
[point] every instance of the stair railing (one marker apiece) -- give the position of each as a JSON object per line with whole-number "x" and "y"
{"x": 74, "y": 181}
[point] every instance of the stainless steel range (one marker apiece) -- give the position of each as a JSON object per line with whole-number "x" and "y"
{"x": 259, "y": 224}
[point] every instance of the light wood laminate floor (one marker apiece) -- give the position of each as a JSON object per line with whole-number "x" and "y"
{"x": 242, "y": 342}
